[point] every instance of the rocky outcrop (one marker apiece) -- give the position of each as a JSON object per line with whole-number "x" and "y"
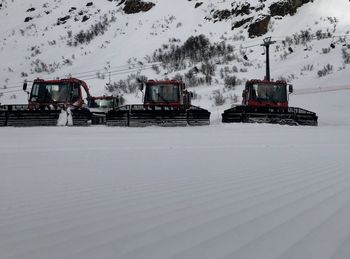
{"x": 243, "y": 9}
{"x": 27, "y": 19}
{"x": 239, "y": 10}
{"x": 137, "y": 6}
{"x": 243, "y": 14}
{"x": 198, "y": 4}
{"x": 241, "y": 23}
{"x": 220, "y": 15}
{"x": 283, "y": 8}
{"x": 259, "y": 27}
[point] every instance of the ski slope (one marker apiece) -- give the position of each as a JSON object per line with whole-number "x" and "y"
{"x": 222, "y": 191}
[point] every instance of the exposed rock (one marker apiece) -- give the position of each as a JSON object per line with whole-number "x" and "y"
{"x": 283, "y": 8}
{"x": 225, "y": 14}
{"x": 220, "y": 15}
{"x": 278, "y": 9}
{"x": 198, "y": 4}
{"x": 89, "y": 4}
{"x": 241, "y": 10}
{"x": 85, "y": 18}
{"x": 65, "y": 18}
{"x": 27, "y": 19}
{"x": 259, "y": 27}
{"x": 241, "y": 23}
{"x": 136, "y": 6}
{"x": 31, "y": 10}
{"x": 121, "y": 2}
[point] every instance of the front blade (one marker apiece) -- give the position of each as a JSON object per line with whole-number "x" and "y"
{"x": 21, "y": 116}
{"x": 164, "y": 117}
{"x": 81, "y": 117}
{"x": 197, "y": 116}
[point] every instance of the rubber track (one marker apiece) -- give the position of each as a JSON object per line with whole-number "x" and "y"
{"x": 137, "y": 116}
{"x": 3, "y": 118}
{"x": 81, "y": 117}
{"x": 285, "y": 116}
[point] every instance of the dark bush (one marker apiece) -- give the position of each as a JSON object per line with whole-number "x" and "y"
{"x": 195, "y": 49}
{"x": 88, "y": 35}
{"x": 231, "y": 82}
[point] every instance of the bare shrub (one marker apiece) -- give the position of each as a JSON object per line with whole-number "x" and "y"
{"x": 327, "y": 69}
{"x": 231, "y": 82}
{"x": 218, "y": 98}
{"x": 346, "y": 56}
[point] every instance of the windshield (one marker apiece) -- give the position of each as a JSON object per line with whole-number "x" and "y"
{"x": 269, "y": 92}
{"x": 42, "y": 92}
{"x": 162, "y": 93}
{"x": 100, "y": 103}
{"x": 51, "y": 92}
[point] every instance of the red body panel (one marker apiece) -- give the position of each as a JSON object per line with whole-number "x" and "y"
{"x": 53, "y": 105}
{"x": 251, "y": 101}
{"x": 267, "y": 104}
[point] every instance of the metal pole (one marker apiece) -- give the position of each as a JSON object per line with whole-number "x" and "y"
{"x": 267, "y": 62}
{"x": 266, "y": 44}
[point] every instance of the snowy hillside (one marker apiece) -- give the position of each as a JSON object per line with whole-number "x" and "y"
{"x": 95, "y": 41}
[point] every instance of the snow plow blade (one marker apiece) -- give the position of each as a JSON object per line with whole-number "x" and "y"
{"x": 22, "y": 116}
{"x": 198, "y": 116}
{"x": 139, "y": 116}
{"x": 284, "y": 116}
{"x": 81, "y": 117}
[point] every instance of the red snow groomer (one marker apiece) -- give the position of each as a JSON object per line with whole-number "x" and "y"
{"x": 266, "y": 101}
{"x": 166, "y": 103}
{"x": 50, "y": 103}
{"x": 100, "y": 105}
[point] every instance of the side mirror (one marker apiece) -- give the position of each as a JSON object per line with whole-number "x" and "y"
{"x": 290, "y": 89}
{"x": 191, "y": 94}
{"x": 244, "y": 94}
{"x": 25, "y": 85}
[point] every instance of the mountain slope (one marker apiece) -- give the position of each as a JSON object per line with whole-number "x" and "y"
{"x": 48, "y": 44}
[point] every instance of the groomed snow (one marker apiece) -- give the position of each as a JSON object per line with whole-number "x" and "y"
{"x": 222, "y": 191}
{"x": 242, "y": 191}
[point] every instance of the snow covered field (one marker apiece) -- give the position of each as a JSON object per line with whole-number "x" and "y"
{"x": 223, "y": 191}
